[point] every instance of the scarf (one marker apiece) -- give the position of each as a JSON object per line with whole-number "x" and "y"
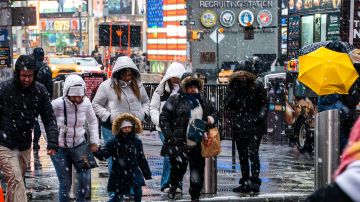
{"x": 194, "y": 99}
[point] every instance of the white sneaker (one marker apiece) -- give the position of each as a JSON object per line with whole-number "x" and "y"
{"x": 166, "y": 190}
{"x": 178, "y": 190}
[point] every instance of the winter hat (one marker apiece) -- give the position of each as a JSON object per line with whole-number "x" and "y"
{"x": 77, "y": 90}
{"x": 126, "y": 123}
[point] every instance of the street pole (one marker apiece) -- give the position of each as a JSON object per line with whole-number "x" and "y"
{"x": 81, "y": 45}
{"x": 217, "y": 49}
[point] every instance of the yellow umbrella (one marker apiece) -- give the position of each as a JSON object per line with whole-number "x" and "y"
{"x": 327, "y": 72}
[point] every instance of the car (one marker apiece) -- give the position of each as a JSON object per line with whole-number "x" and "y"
{"x": 87, "y": 64}
{"x": 61, "y": 64}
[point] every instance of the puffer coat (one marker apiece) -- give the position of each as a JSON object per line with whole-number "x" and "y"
{"x": 77, "y": 115}
{"x": 106, "y": 103}
{"x": 174, "y": 120}
{"x": 129, "y": 163}
{"x": 19, "y": 107}
{"x": 248, "y": 105}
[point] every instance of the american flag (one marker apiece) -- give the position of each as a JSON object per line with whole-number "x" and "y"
{"x": 166, "y": 38}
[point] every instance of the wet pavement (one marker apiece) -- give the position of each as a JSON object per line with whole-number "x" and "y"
{"x": 286, "y": 175}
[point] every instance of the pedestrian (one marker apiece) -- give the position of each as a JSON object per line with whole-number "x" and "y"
{"x": 22, "y": 99}
{"x": 178, "y": 112}
{"x": 96, "y": 55}
{"x": 44, "y": 76}
{"x": 247, "y": 99}
{"x": 130, "y": 166}
{"x": 169, "y": 85}
{"x": 122, "y": 93}
{"x": 72, "y": 111}
{"x": 347, "y": 177}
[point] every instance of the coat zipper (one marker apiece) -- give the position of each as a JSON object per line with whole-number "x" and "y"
{"x": 75, "y": 125}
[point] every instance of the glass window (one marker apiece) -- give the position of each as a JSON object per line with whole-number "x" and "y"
{"x": 307, "y": 30}
{"x": 86, "y": 62}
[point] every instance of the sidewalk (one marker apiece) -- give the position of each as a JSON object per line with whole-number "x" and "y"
{"x": 286, "y": 176}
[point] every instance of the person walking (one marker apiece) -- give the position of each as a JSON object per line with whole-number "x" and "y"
{"x": 22, "y": 99}
{"x": 122, "y": 93}
{"x": 130, "y": 166}
{"x": 345, "y": 186}
{"x": 44, "y": 76}
{"x": 169, "y": 85}
{"x": 247, "y": 99}
{"x": 72, "y": 111}
{"x": 179, "y": 111}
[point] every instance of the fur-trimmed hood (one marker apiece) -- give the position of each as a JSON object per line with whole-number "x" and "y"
{"x": 189, "y": 78}
{"x": 129, "y": 117}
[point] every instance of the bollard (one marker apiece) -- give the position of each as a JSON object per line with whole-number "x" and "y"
{"x": 210, "y": 176}
{"x": 327, "y": 132}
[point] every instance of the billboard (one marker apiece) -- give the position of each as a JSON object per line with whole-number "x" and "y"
{"x": 61, "y": 6}
{"x": 118, "y": 7}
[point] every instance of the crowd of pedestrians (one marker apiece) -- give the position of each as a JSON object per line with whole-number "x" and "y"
{"x": 120, "y": 105}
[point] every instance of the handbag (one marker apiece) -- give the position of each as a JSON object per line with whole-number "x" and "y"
{"x": 81, "y": 156}
{"x": 197, "y": 129}
{"x": 212, "y": 147}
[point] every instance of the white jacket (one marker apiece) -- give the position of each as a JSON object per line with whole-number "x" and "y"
{"x": 106, "y": 103}
{"x": 77, "y": 115}
{"x": 156, "y": 104}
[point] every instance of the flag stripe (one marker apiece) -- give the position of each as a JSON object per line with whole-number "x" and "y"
{"x": 167, "y": 58}
{"x": 166, "y": 41}
{"x": 163, "y": 36}
{"x": 175, "y": 13}
{"x": 167, "y": 52}
{"x": 167, "y": 46}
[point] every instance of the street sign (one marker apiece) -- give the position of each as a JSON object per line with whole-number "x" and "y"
{"x": 220, "y": 36}
{"x": 183, "y": 22}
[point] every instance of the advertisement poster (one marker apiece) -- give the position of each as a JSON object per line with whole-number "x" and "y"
{"x": 293, "y": 36}
{"x": 98, "y": 7}
{"x": 333, "y": 27}
{"x": 5, "y": 57}
{"x": 296, "y": 6}
{"x": 62, "y": 6}
{"x": 119, "y": 7}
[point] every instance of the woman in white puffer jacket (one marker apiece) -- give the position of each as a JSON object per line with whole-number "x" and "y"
{"x": 78, "y": 111}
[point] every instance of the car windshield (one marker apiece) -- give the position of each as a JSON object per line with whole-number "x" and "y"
{"x": 61, "y": 60}
{"x": 86, "y": 62}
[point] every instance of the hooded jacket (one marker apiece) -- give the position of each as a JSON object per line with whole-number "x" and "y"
{"x": 19, "y": 107}
{"x": 129, "y": 166}
{"x": 106, "y": 103}
{"x": 247, "y": 100}
{"x": 175, "y": 116}
{"x": 44, "y": 76}
{"x": 77, "y": 115}
{"x": 163, "y": 91}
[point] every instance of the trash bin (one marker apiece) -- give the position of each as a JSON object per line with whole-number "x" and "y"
{"x": 327, "y": 146}
{"x": 210, "y": 176}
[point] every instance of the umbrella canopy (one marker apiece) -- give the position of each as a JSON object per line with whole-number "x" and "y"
{"x": 339, "y": 46}
{"x": 327, "y": 72}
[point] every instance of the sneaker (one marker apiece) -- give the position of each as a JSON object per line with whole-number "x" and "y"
{"x": 178, "y": 190}
{"x": 241, "y": 189}
{"x": 165, "y": 190}
{"x": 253, "y": 187}
{"x": 172, "y": 193}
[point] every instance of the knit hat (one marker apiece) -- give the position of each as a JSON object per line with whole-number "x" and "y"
{"x": 126, "y": 123}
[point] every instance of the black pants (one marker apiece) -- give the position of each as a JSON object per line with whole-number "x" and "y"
{"x": 178, "y": 166}
{"x": 248, "y": 149}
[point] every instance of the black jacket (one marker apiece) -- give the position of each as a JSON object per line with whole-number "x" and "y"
{"x": 44, "y": 76}
{"x": 129, "y": 163}
{"x": 174, "y": 121}
{"x": 18, "y": 109}
{"x": 248, "y": 105}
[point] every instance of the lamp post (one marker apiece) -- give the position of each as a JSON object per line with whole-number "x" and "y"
{"x": 80, "y": 27}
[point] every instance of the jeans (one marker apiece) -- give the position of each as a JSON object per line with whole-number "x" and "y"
{"x": 165, "y": 182}
{"x": 115, "y": 197}
{"x": 13, "y": 165}
{"x": 107, "y": 135}
{"x": 63, "y": 167}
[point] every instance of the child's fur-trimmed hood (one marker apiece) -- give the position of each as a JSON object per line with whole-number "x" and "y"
{"x": 137, "y": 126}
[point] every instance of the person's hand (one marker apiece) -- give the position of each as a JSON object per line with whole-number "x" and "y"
{"x": 210, "y": 120}
{"x": 51, "y": 152}
{"x": 93, "y": 148}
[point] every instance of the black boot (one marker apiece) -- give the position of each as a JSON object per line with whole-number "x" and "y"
{"x": 172, "y": 193}
{"x": 244, "y": 186}
{"x": 254, "y": 185}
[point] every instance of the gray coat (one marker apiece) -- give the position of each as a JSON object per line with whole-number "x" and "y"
{"x": 106, "y": 103}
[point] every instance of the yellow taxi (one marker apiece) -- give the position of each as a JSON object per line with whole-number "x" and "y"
{"x": 63, "y": 64}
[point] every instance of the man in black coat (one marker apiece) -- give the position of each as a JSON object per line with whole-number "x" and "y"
{"x": 177, "y": 114}
{"x": 21, "y": 101}
{"x": 44, "y": 76}
{"x": 247, "y": 99}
